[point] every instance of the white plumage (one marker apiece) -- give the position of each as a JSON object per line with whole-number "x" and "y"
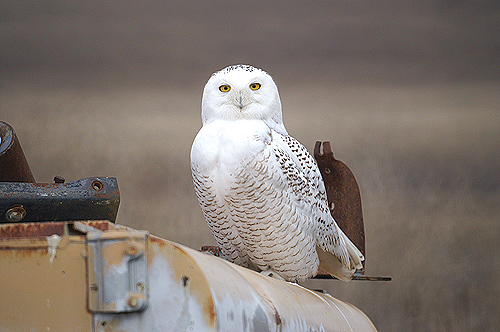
{"x": 260, "y": 191}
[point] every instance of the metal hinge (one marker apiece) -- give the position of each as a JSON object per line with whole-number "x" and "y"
{"x": 117, "y": 271}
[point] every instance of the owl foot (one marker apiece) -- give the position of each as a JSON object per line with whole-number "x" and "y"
{"x": 272, "y": 274}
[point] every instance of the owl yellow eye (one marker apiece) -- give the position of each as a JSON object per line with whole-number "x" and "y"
{"x": 225, "y": 88}
{"x": 255, "y": 86}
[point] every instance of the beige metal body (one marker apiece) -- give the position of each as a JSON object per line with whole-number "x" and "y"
{"x": 98, "y": 276}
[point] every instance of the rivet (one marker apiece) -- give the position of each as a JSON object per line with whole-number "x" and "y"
{"x": 133, "y": 301}
{"x": 332, "y": 206}
{"x": 97, "y": 185}
{"x": 140, "y": 286}
{"x": 131, "y": 251}
{"x": 15, "y": 213}
{"x": 327, "y": 170}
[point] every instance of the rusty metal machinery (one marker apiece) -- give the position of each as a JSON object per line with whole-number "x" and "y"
{"x": 21, "y": 199}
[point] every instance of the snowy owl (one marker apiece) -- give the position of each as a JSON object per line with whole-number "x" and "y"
{"x": 260, "y": 191}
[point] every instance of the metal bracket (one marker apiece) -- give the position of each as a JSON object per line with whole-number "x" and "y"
{"x": 343, "y": 194}
{"x": 117, "y": 271}
{"x": 86, "y": 199}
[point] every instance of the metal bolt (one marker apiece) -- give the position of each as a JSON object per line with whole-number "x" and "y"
{"x": 59, "y": 179}
{"x": 133, "y": 301}
{"x": 140, "y": 286}
{"x": 131, "y": 251}
{"x": 97, "y": 185}
{"x": 94, "y": 287}
{"x": 15, "y": 213}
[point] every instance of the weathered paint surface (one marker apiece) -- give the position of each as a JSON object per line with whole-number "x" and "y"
{"x": 258, "y": 303}
{"x": 45, "y": 288}
{"x": 179, "y": 298}
{"x": 43, "y": 291}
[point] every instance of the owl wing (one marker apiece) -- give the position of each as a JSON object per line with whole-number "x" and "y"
{"x": 217, "y": 216}
{"x": 309, "y": 195}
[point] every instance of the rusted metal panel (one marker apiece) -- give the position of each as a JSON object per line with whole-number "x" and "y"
{"x": 42, "y": 282}
{"x": 13, "y": 164}
{"x": 90, "y": 198}
{"x": 344, "y": 199}
{"x": 343, "y": 194}
{"x": 31, "y": 230}
{"x": 42, "y": 230}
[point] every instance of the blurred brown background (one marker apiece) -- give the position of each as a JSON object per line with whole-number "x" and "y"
{"x": 407, "y": 92}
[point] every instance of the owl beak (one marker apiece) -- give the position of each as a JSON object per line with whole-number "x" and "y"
{"x": 240, "y": 100}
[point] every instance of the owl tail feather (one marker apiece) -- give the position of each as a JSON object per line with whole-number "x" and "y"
{"x": 331, "y": 264}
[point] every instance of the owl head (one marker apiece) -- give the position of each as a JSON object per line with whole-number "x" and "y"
{"x": 242, "y": 92}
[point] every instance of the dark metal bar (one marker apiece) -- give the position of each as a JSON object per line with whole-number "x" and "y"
{"x": 13, "y": 164}
{"x": 86, "y": 199}
{"x": 355, "y": 277}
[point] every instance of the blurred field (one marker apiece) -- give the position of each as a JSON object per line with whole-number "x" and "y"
{"x": 408, "y": 94}
{"x": 427, "y": 167}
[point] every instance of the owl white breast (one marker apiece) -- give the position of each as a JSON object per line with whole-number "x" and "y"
{"x": 259, "y": 189}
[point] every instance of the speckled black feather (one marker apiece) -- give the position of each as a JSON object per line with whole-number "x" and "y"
{"x": 235, "y": 67}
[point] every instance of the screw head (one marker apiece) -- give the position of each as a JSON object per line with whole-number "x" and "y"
{"x": 59, "y": 179}
{"x": 97, "y": 185}
{"x": 133, "y": 301}
{"x": 140, "y": 286}
{"x": 15, "y": 213}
